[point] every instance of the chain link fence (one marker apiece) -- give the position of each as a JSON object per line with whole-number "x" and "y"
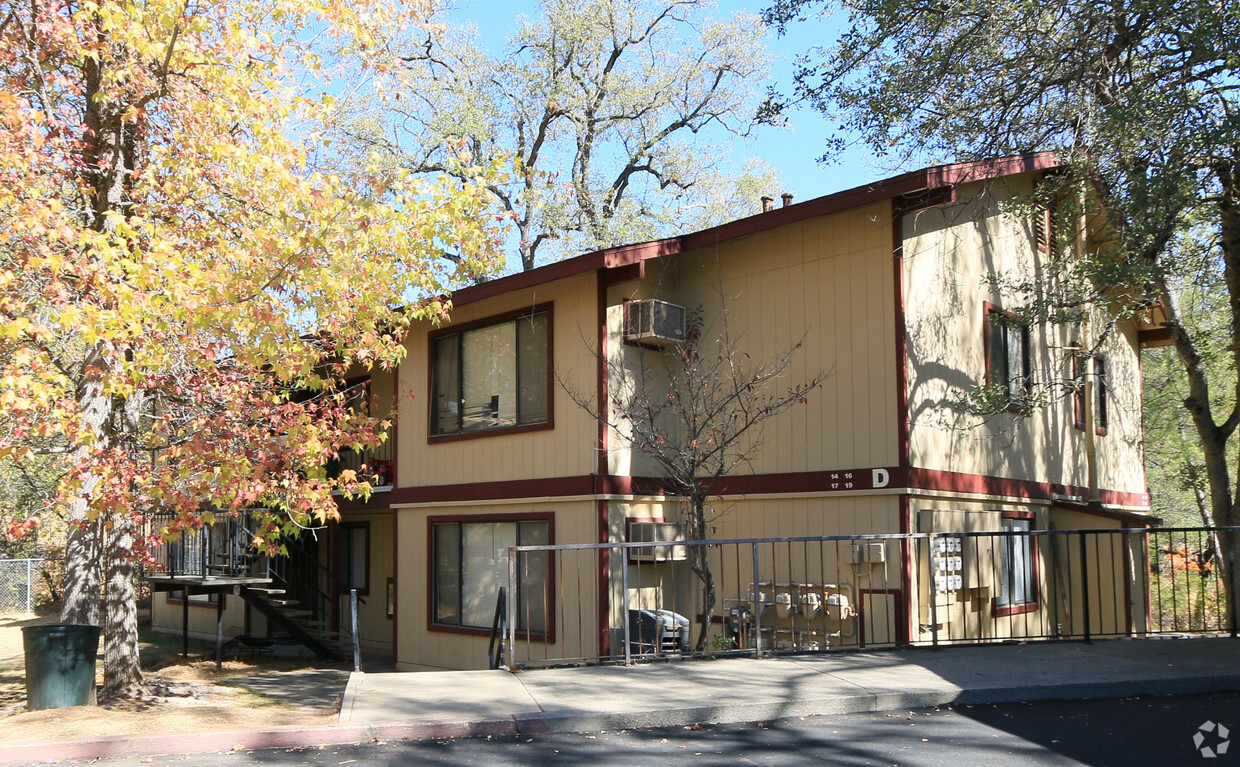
{"x": 18, "y": 584}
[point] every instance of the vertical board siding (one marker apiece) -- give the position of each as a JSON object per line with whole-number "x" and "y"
{"x": 561, "y": 451}
{"x": 948, "y": 253}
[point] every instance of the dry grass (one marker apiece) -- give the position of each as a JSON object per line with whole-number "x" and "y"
{"x": 186, "y": 695}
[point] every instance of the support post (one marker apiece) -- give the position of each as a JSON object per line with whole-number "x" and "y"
{"x": 185, "y": 623}
{"x": 30, "y": 589}
{"x": 511, "y": 653}
{"x": 624, "y": 585}
{"x": 219, "y": 632}
{"x": 933, "y": 585}
{"x": 357, "y": 642}
{"x": 757, "y": 605}
{"x": 1085, "y": 587}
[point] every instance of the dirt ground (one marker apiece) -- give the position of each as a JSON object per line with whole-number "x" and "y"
{"x": 185, "y": 696}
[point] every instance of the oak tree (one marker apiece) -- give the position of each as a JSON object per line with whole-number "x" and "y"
{"x": 613, "y": 112}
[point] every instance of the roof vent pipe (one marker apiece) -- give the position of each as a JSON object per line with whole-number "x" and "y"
{"x": 768, "y": 203}
{"x": 787, "y": 198}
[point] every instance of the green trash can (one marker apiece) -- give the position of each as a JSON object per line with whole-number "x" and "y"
{"x": 60, "y": 665}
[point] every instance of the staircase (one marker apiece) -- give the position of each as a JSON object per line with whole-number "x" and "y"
{"x": 299, "y": 623}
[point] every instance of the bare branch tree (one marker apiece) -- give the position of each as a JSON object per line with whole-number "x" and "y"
{"x": 698, "y": 409}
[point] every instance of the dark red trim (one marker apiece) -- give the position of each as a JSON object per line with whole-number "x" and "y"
{"x": 903, "y": 426}
{"x": 950, "y": 481}
{"x": 925, "y": 181}
{"x": 490, "y": 491}
{"x": 496, "y": 319}
{"x": 792, "y": 482}
{"x": 529, "y": 636}
{"x": 898, "y": 618}
{"x": 439, "y": 439}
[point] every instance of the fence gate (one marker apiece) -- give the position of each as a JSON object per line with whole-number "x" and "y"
{"x": 17, "y": 584}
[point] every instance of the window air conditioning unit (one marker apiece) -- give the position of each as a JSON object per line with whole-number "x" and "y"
{"x": 654, "y": 322}
{"x": 656, "y": 532}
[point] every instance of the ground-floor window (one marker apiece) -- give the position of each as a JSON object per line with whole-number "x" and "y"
{"x": 177, "y": 596}
{"x": 1018, "y": 574}
{"x": 470, "y": 565}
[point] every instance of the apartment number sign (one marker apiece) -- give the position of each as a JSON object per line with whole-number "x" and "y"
{"x": 858, "y": 479}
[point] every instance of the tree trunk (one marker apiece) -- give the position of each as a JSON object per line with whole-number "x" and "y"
{"x": 122, "y": 673}
{"x": 699, "y": 564}
{"x": 83, "y": 553}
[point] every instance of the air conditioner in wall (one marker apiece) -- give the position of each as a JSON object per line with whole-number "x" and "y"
{"x": 654, "y": 322}
{"x": 656, "y": 532}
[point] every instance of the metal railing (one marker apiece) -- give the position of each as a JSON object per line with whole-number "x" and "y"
{"x": 218, "y": 549}
{"x": 621, "y": 602}
{"x": 375, "y": 464}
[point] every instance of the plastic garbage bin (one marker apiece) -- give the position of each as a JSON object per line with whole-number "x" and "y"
{"x": 60, "y": 665}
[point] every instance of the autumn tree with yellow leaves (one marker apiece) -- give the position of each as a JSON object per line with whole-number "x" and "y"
{"x": 181, "y": 291}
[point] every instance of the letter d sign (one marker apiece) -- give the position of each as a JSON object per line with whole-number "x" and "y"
{"x": 881, "y": 478}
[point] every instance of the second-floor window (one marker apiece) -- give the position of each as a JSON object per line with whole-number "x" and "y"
{"x": 1007, "y": 355}
{"x": 1081, "y": 364}
{"x": 491, "y": 376}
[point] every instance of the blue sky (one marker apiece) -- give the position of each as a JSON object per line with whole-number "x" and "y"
{"x": 791, "y": 152}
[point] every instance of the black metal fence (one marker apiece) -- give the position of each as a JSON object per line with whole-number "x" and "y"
{"x": 620, "y": 602}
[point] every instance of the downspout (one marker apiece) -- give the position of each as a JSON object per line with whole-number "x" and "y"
{"x": 1091, "y": 439}
{"x": 1091, "y": 447}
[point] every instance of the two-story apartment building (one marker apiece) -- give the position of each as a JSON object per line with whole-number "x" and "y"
{"x": 885, "y": 286}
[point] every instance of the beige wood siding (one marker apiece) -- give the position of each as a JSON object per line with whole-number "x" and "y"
{"x": 948, "y": 253}
{"x": 825, "y": 282}
{"x": 565, "y": 450}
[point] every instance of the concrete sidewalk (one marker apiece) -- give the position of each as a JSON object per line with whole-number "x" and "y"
{"x": 464, "y": 703}
{"x": 460, "y": 703}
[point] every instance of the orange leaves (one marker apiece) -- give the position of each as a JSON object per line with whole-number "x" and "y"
{"x": 18, "y": 528}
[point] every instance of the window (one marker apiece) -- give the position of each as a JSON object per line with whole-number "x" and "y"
{"x": 1044, "y": 233}
{"x": 1018, "y": 574}
{"x": 492, "y": 376}
{"x": 1101, "y": 390}
{"x": 1080, "y": 364}
{"x": 354, "y": 553}
{"x": 471, "y": 565}
{"x": 1007, "y": 355}
{"x": 177, "y": 596}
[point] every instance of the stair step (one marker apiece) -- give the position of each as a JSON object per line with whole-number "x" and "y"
{"x": 295, "y": 613}
{"x": 266, "y": 591}
{"x": 283, "y": 602}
